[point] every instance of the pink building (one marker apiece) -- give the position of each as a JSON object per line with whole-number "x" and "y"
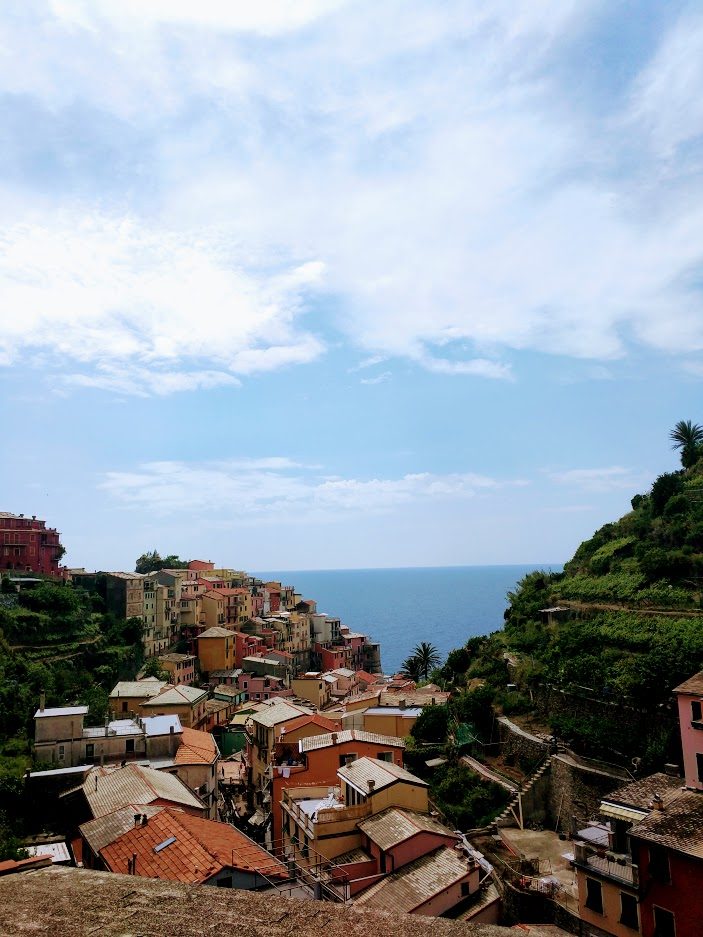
{"x": 262, "y": 687}
{"x": 690, "y": 699}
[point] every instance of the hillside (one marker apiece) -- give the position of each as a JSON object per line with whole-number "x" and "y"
{"x": 622, "y": 625}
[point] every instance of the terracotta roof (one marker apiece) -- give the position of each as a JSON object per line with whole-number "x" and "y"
{"x": 638, "y": 794}
{"x": 178, "y": 847}
{"x": 394, "y": 826}
{"x": 24, "y": 865}
{"x": 382, "y": 773}
{"x": 678, "y": 826}
{"x": 322, "y": 721}
{"x": 693, "y": 685}
{"x": 349, "y": 735}
{"x": 418, "y": 882}
{"x": 106, "y": 829}
{"x": 60, "y": 901}
{"x": 108, "y": 789}
{"x": 196, "y": 748}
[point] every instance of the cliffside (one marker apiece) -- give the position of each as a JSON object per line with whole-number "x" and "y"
{"x": 615, "y": 632}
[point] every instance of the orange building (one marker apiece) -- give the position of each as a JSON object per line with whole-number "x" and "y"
{"x": 319, "y": 757}
{"x": 216, "y": 648}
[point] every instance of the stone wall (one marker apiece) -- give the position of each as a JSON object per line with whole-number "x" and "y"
{"x": 577, "y": 787}
{"x": 524, "y": 749}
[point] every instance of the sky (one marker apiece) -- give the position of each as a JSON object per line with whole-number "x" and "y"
{"x": 306, "y": 284}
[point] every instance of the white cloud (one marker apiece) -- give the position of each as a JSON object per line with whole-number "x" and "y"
{"x": 142, "y": 311}
{"x": 379, "y": 379}
{"x": 430, "y": 165}
{"x": 611, "y": 478}
{"x": 281, "y": 490}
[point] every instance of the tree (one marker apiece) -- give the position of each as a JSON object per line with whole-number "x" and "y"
{"x": 152, "y": 561}
{"x": 411, "y": 668}
{"x": 427, "y": 656}
{"x": 687, "y": 437}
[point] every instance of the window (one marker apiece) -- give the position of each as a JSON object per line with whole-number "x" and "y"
{"x": 465, "y": 889}
{"x": 696, "y": 710}
{"x": 385, "y": 756}
{"x": 62, "y": 752}
{"x": 699, "y": 766}
{"x": 659, "y": 864}
{"x": 594, "y": 896}
{"x": 347, "y": 759}
{"x": 124, "y": 707}
{"x": 129, "y": 747}
{"x": 664, "y": 923}
{"x": 90, "y": 750}
{"x": 628, "y": 911}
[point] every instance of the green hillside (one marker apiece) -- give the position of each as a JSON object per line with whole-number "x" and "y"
{"x": 623, "y": 624}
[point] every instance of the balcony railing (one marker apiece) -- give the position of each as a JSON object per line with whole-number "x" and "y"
{"x": 607, "y": 864}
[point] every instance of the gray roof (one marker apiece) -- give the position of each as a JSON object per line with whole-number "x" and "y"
{"x": 279, "y": 711}
{"x": 216, "y": 632}
{"x": 678, "y": 826}
{"x": 177, "y": 696}
{"x": 313, "y": 742}
{"x": 383, "y": 773}
{"x": 107, "y": 790}
{"x": 416, "y": 883}
{"x": 137, "y": 688}
{"x": 61, "y": 711}
{"x": 409, "y": 712}
{"x": 638, "y": 794}
{"x": 394, "y": 826}
{"x": 106, "y": 829}
{"x": 80, "y": 902}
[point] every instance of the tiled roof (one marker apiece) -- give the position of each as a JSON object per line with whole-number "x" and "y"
{"x": 196, "y": 748}
{"x": 216, "y": 632}
{"x": 393, "y": 826}
{"x": 693, "y": 685}
{"x": 678, "y": 826}
{"x": 137, "y": 688}
{"x": 178, "y": 695}
{"x": 301, "y": 721}
{"x": 417, "y": 882}
{"x": 18, "y": 865}
{"x": 177, "y": 847}
{"x": 638, "y": 794}
{"x": 106, "y": 829}
{"x": 279, "y": 711}
{"x": 382, "y": 773}
{"x": 313, "y": 742}
{"x": 83, "y": 903}
{"x": 108, "y": 789}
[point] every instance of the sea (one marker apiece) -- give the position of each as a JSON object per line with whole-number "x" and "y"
{"x": 444, "y": 605}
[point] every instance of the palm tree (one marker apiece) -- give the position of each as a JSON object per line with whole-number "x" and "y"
{"x": 427, "y": 656}
{"x": 687, "y": 437}
{"x": 411, "y": 668}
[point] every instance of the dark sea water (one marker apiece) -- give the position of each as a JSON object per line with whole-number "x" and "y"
{"x": 401, "y": 607}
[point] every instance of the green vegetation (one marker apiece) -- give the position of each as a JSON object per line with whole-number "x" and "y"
{"x": 628, "y": 626}
{"x": 423, "y": 660}
{"x": 151, "y": 562}
{"x": 464, "y": 798}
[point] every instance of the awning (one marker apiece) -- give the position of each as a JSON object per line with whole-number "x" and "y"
{"x": 619, "y": 812}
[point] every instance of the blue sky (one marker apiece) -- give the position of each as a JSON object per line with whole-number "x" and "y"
{"x": 346, "y": 284}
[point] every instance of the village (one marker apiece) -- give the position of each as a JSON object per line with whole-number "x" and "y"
{"x": 270, "y": 754}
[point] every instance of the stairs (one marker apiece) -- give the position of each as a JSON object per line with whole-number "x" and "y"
{"x": 512, "y": 813}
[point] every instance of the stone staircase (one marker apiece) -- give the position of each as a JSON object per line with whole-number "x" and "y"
{"x": 510, "y": 816}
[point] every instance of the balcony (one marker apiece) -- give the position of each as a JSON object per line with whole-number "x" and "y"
{"x": 314, "y": 809}
{"x": 616, "y": 866}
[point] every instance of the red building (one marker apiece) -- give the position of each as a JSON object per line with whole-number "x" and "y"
{"x": 29, "y": 546}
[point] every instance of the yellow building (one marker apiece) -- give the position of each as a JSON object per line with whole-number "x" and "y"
{"x": 216, "y": 649}
{"x": 323, "y": 821}
{"x": 313, "y": 687}
{"x": 186, "y": 702}
{"x": 213, "y": 609}
{"x": 391, "y": 720}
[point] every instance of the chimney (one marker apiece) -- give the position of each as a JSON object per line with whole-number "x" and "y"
{"x": 42, "y": 701}
{"x": 401, "y": 703}
{"x": 371, "y": 784}
{"x": 145, "y": 819}
{"x": 334, "y": 738}
{"x": 657, "y": 802}
{"x": 172, "y": 740}
{"x": 137, "y": 818}
{"x": 134, "y": 863}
